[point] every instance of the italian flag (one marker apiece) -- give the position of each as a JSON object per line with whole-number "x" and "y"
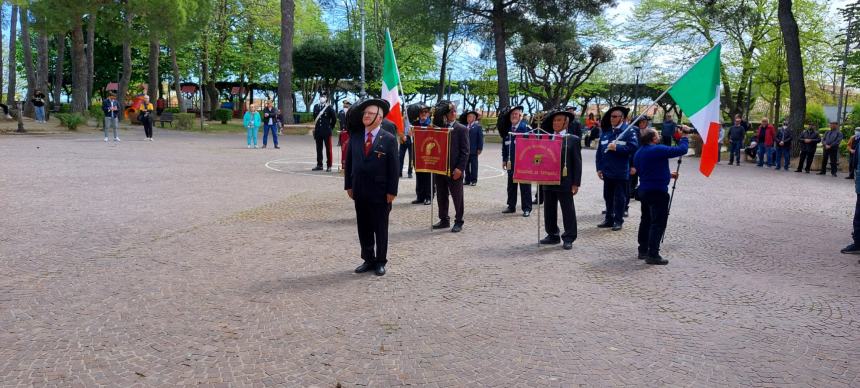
{"x": 391, "y": 85}
{"x": 697, "y": 92}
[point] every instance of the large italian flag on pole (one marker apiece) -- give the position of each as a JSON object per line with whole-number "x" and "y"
{"x": 391, "y": 85}
{"x": 697, "y": 92}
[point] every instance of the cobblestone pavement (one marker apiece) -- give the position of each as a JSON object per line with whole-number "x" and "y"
{"x": 191, "y": 261}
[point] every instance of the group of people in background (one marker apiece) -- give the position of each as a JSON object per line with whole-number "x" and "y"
{"x": 269, "y": 119}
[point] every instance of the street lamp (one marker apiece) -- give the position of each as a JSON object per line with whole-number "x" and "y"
{"x": 636, "y": 71}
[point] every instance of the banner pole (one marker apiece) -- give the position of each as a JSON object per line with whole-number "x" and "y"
{"x": 432, "y": 195}
{"x": 538, "y": 213}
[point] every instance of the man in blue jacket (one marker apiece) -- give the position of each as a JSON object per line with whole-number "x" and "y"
{"x": 614, "y": 149}
{"x": 652, "y": 165}
{"x": 476, "y": 144}
{"x": 514, "y": 118}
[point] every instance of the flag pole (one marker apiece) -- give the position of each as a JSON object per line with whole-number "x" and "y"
{"x": 671, "y": 197}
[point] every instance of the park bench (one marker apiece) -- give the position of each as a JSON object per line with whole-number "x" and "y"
{"x": 166, "y": 117}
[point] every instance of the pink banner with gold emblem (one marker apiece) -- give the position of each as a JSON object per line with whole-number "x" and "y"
{"x": 431, "y": 149}
{"x": 537, "y": 161}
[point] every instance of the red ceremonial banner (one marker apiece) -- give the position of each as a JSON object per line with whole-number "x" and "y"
{"x": 431, "y": 149}
{"x": 537, "y": 161}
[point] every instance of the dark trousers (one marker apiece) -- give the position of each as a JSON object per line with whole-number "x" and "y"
{"x": 666, "y": 140}
{"x": 856, "y": 233}
{"x": 833, "y": 155}
{"x": 783, "y": 154}
{"x": 655, "y": 213}
{"x": 404, "y": 148}
{"x": 852, "y": 164}
{"x": 422, "y": 186}
{"x": 444, "y": 185}
{"x": 805, "y": 161}
{"x": 735, "y": 152}
{"x": 147, "y": 126}
{"x": 615, "y": 196}
{"x": 274, "y": 129}
{"x": 472, "y": 169}
{"x": 632, "y": 188}
{"x": 568, "y": 214}
{"x": 323, "y": 141}
{"x": 525, "y": 193}
{"x": 372, "y": 221}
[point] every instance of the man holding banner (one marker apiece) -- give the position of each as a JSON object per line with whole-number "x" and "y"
{"x": 614, "y": 150}
{"x": 511, "y": 126}
{"x": 419, "y": 116}
{"x": 445, "y": 116}
{"x": 571, "y": 176}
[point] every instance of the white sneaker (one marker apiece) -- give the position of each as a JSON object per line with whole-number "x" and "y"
{"x": 106, "y": 139}
{"x": 116, "y": 139}
{"x": 255, "y": 146}
{"x": 249, "y": 146}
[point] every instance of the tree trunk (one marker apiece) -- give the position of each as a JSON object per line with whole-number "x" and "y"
{"x": 29, "y": 71}
{"x": 1, "y": 51}
{"x": 125, "y": 79}
{"x": 91, "y": 66}
{"x": 79, "y": 67}
{"x": 13, "y": 26}
{"x": 794, "y": 59}
{"x": 59, "y": 63}
{"x": 501, "y": 57}
{"x": 42, "y": 59}
{"x": 177, "y": 87}
{"x": 285, "y": 61}
{"x": 152, "y": 89}
{"x": 204, "y": 71}
{"x": 443, "y": 71}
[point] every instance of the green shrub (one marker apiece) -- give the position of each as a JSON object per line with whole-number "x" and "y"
{"x": 65, "y": 108}
{"x": 305, "y": 117}
{"x": 172, "y": 110}
{"x": 70, "y": 120}
{"x": 184, "y": 121}
{"x": 95, "y": 111}
{"x": 815, "y": 115}
{"x": 223, "y": 115}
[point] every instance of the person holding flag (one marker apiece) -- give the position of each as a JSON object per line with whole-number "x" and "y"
{"x": 557, "y": 123}
{"x": 617, "y": 144}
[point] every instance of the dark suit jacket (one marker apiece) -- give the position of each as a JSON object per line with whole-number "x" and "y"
{"x": 572, "y": 151}
{"x": 326, "y": 122}
{"x": 458, "y": 148}
{"x": 389, "y": 127}
{"x": 341, "y": 118}
{"x": 476, "y": 139}
{"x": 372, "y": 177}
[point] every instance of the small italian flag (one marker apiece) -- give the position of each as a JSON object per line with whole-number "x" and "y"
{"x": 697, "y": 92}
{"x": 391, "y": 85}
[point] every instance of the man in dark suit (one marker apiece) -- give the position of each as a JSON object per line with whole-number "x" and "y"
{"x": 341, "y": 122}
{"x": 421, "y": 118}
{"x": 370, "y": 179}
{"x": 324, "y": 120}
{"x": 458, "y": 154}
{"x": 476, "y": 144}
{"x": 571, "y": 176}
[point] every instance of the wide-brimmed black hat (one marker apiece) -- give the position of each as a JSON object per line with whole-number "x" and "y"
{"x": 356, "y": 112}
{"x": 503, "y": 123}
{"x": 570, "y": 107}
{"x": 462, "y": 118}
{"x": 644, "y": 118}
{"x": 440, "y": 112}
{"x": 605, "y": 124}
{"x": 413, "y": 111}
{"x": 546, "y": 123}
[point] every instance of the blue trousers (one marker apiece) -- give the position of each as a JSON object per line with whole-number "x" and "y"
{"x": 472, "y": 169}
{"x": 763, "y": 151}
{"x": 252, "y": 135}
{"x": 274, "y": 129}
{"x": 615, "y": 196}
{"x": 783, "y": 153}
{"x": 735, "y": 152}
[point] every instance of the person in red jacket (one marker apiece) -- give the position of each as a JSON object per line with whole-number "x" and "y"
{"x": 764, "y": 138}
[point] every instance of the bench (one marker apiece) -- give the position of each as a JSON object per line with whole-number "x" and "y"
{"x": 166, "y": 117}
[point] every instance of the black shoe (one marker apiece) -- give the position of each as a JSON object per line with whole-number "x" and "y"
{"x": 851, "y": 249}
{"x": 822, "y": 173}
{"x": 457, "y": 227}
{"x": 264, "y": 146}
{"x": 807, "y": 171}
{"x": 417, "y": 201}
{"x": 550, "y": 240}
{"x": 797, "y": 170}
{"x": 604, "y": 224}
{"x": 616, "y": 227}
{"x": 527, "y": 213}
{"x": 509, "y": 210}
{"x": 625, "y": 213}
{"x": 473, "y": 184}
{"x": 656, "y": 260}
{"x": 317, "y": 168}
{"x": 380, "y": 270}
{"x": 364, "y": 267}
{"x": 409, "y": 177}
{"x": 603, "y": 212}
{"x": 442, "y": 225}
{"x": 849, "y": 177}
{"x": 277, "y": 148}
{"x": 642, "y": 256}
{"x": 328, "y": 169}
{"x": 426, "y": 201}
{"x": 568, "y": 245}
{"x": 833, "y": 175}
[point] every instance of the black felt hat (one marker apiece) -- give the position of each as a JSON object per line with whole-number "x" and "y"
{"x": 605, "y": 124}
{"x": 503, "y": 123}
{"x": 356, "y": 112}
{"x": 462, "y": 118}
{"x": 546, "y": 123}
{"x": 413, "y": 111}
{"x": 643, "y": 118}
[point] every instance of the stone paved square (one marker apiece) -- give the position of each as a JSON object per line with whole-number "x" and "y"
{"x": 193, "y": 261}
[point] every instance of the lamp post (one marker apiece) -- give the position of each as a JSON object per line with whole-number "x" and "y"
{"x": 636, "y": 71}
{"x": 362, "y": 93}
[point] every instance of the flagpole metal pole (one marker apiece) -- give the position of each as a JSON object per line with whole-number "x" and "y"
{"x": 432, "y": 195}
{"x": 538, "y": 214}
{"x": 671, "y": 197}
{"x": 362, "y": 93}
